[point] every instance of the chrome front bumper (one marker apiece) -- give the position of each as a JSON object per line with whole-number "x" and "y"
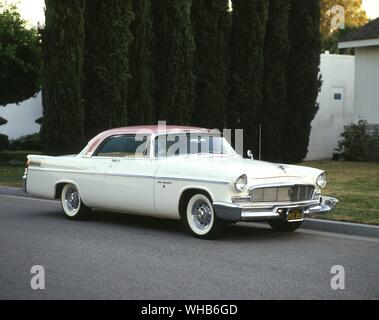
{"x": 268, "y": 211}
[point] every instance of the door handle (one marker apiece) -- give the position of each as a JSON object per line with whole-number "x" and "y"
{"x": 115, "y": 160}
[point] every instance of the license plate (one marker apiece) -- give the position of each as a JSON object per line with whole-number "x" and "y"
{"x": 295, "y": 214}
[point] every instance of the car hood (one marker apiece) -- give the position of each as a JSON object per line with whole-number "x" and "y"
{"x": 231, "y": 167}
{"x": 256, "y": 169}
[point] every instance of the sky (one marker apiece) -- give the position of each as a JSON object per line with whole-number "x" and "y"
{"x": 33, "y": 10}
{"x": 371, "y": 7}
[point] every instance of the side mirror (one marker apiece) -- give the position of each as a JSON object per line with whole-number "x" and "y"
{"x": 250, "y": 154}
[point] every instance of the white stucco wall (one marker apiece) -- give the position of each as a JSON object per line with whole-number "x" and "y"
{"x": 367, "y": 84}
{"x": 21, "y": 118}
{"x": 337, "y": 73}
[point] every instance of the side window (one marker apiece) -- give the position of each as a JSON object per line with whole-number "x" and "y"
{"x": 172, "y": 145}
{"x": 125, "y": 146}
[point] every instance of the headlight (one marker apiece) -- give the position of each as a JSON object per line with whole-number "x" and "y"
{"x": 241, "y": 183}
{"x": 321, "y": 180}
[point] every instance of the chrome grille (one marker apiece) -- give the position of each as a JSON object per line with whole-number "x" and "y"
{"x": 291, "y": 193}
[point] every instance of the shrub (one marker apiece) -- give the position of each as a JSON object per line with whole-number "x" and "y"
{"x": 29, "y": 142}
{"x": 4, "y": 142}
{"x": 358, "y": 144}
{"x": 14, "y": 158}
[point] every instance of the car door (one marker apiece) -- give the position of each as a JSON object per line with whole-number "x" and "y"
{"x": 129, "y": 175}
{"x": 91, "y": 180}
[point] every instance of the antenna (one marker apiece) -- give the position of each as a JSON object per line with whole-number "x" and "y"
{"x": 260, "y": 141}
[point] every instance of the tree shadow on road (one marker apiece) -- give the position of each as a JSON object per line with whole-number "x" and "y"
{"x": 238, "y": 232}
{"x": 151, "y": 225}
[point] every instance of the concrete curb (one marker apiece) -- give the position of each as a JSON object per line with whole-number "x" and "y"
{"x": 349, "y": 228}
{"x": 355, "y": 229}
{"x": 13, "y": 192}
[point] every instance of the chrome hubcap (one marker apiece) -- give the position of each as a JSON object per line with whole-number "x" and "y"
{"x": 201, "y": 214}
{"x": 72, "y": 199}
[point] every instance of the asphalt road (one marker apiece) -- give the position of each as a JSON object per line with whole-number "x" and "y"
{"x": 113, "y": 256}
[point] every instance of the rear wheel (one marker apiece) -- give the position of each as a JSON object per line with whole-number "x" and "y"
{"x": 72, "y": 204}
{"x": 282, "y": 225}
{"x": 201, "y": 219}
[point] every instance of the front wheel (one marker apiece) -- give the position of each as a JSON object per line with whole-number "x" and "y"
{"x": 282, "y": 225}
{"x": 201, "y": 219}
{"x": 72, "y": 203}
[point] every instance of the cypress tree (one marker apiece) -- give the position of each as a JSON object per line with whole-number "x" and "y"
{"x": 173, "y": 61}
{"x": 303, "y": 81}
{"x": 210, "y": 21}
{"x": 106, "y": 64}
{"x": 276, "y": 48}
{"x": 63, "y": 41}
{"x": 4, "y": 142}
{"x": 140, "y": 95}
{"x": 245, "y": 98}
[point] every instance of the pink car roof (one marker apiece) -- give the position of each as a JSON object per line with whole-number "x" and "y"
{"x": 148, "y": 129}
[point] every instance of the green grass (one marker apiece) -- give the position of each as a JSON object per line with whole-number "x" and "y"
{"x": 11, "y": 176}
{"x": 356, "y": 185}
{"x": 12, "y": 164}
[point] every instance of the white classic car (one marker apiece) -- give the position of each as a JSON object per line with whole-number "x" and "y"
{"x": 182, "y": 173}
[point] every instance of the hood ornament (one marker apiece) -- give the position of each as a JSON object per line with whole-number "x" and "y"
{"x": 250, "y": 154}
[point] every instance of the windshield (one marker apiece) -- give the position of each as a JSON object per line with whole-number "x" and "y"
{"x": 191, "y": 143}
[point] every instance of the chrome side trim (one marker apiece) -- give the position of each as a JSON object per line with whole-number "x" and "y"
{"x": 193, "y": 180}
{"x": 89, "y": 172}
{"x": 118, "y": 158}
{"x": 131, "y": 175}
{"x": 126, "y": 175}
{"x": 63, "y": 170}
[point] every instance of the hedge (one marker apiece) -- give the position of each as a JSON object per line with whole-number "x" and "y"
{"x": 15, "y": 158}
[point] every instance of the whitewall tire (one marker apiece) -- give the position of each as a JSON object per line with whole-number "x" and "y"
{"x": 201, "y": 219}
{"x": 72, "y": 204}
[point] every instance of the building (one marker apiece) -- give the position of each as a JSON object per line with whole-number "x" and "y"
{"x": 336, "y": 105}
{"x": 350, "y": 90}
{"x": 365, "y": 41}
